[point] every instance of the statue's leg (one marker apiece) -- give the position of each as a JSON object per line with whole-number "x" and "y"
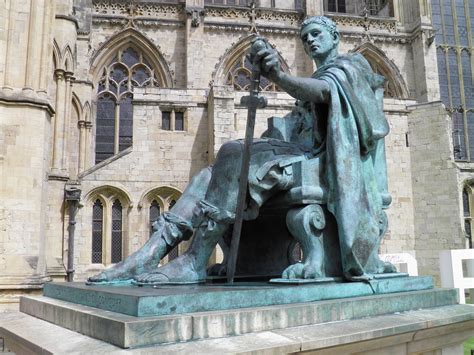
{"x": 211, "y": 220}
{"x": 168, "y": 231}
{"x": 210, "y": 223}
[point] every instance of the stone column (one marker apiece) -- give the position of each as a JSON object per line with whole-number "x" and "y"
{"x": 25, "y": 131}
{"x": 424, "y": 52}
{"x": 82, "y": 145}
{"x": 220, "y": 118}
{"x": 67, "y": 120}
{"x": 87, "y": 151}
{"x": 65, "y": 35}
{"x": 194, "y": 43}
{"x": 58, "y": 122}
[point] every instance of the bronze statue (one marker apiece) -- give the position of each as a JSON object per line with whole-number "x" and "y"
{"x": 337, "y": 129}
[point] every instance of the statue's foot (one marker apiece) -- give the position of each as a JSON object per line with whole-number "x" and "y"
{"x": 145, "y": 259}
{"x": 182, "y": 270}
{"x": 301, "y": 271}
{"x": 116, "y": 273}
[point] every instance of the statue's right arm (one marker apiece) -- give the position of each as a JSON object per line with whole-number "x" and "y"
{"x": 305, "y": 89}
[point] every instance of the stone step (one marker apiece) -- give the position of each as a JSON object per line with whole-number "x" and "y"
{"x": 130, "y": 331}
{"x": 417, "y": 331}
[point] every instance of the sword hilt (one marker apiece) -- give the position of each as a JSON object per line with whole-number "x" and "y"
{"x": 258, "y": 44}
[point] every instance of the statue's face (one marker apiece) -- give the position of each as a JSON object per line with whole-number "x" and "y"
{"x": 317, "y": 41}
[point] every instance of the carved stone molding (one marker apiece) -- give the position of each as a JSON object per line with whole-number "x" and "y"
{"x": 233, "y": 27}
{"x": 374, "y": 37}
{"x": 367, "y": 23}
{"x": 288, "y": 18}
{"x": 150, "y": 10}
{"x": 196, "y": 14}
{"x": 455, "y": 48}
{"x": 138, "y": 22}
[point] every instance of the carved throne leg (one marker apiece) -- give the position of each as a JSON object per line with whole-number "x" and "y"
{"x": 306, "y": 225}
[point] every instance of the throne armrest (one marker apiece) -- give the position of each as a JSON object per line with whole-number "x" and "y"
{"x": 279, "y": 128}
{"x": 309, "y": 184}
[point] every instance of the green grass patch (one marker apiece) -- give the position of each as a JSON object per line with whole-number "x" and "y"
{"x": 468, "y": 346}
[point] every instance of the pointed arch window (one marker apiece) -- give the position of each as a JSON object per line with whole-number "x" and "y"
{"x": 394, "y": 85}
{"x": 116, "y": 240}
{"x": 389, "y": 86}
{"x": 467, "y": 200}
{"x": 114, "y": 125}
{"x": 97, "y": 231}
{"x": 240, "y": 75}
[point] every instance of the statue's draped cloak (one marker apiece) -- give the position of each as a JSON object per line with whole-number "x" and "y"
{"x": 353, "y": 126}
{"x": 346, "y": 136}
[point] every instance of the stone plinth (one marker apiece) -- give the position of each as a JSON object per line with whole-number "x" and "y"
{"x": 131, "y": 331}
{"x": 170, "y": 300}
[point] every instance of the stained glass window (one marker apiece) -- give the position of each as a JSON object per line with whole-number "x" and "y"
{"x": 127, "y": 70}
{"x": 97, "y": 231}
{"x": 116, "y": 241}
{"x": 454, "y": 51}
{"x": 466, "y": 201}
{"x": 105, "y": 127}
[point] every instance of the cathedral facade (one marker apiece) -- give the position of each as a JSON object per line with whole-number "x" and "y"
{"x": 109, "y": 107}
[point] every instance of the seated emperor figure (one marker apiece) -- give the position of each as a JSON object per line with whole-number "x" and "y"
{"x": 345, "y": 132}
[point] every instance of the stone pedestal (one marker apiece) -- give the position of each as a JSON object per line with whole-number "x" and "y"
{"x": 401, "y": 315}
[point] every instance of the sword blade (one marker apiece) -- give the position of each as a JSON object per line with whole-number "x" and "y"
{"x": 253, "y": 104}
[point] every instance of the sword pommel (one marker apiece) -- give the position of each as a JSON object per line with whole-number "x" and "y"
{"x": 258, "y": 44}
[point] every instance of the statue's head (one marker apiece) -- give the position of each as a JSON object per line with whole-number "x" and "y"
{"x": 320, "y": 37}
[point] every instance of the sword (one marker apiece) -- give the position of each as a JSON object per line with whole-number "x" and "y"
{"x": 252, "y": 101}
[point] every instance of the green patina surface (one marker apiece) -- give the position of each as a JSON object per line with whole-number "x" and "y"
{"x": 168, "y": 300}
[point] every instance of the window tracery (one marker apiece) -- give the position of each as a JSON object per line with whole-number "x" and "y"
{"x": 240, "y": 74}
{"x": 114, "y": 126}
{"x": 389, "y": 85}
{"x": 109, "y": 224}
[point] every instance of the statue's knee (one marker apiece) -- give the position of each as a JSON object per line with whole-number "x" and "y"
{"x": 202, "y": 178}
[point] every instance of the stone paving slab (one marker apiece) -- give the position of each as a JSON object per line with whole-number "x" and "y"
{"x": 426, "y": 327}
{"x": 129, "y": 331}
{"x": 169, "y": 300}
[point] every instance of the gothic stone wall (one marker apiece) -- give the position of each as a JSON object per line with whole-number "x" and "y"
{"x": 435, "y": 186}
{"x": 168, "y": 159}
